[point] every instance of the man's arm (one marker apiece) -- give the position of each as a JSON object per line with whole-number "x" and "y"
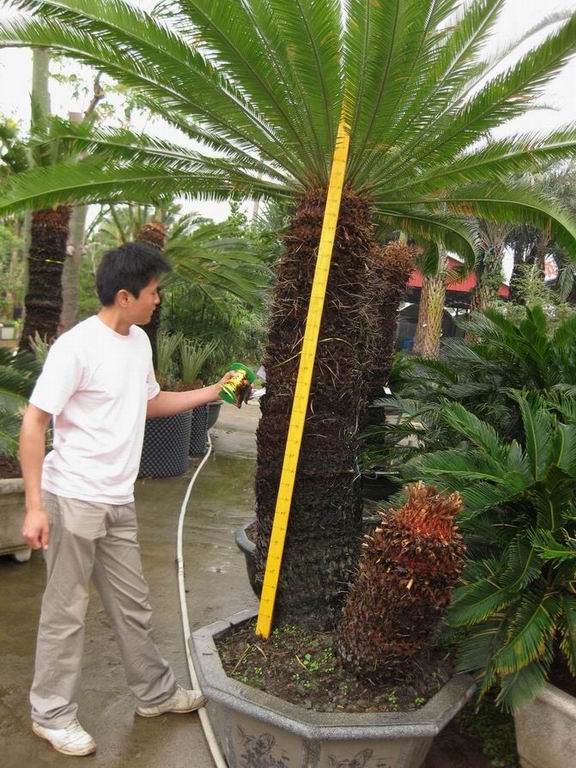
{"x": 169, "y": 403}
{"x": 32, "y": 449}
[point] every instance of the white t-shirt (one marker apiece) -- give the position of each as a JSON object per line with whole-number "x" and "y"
{"x": 96, "y": 383}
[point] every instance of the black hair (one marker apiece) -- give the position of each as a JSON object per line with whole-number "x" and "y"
{"x": 129, "y": 267}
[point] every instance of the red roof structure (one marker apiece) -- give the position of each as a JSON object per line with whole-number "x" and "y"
{"x": 465, "y": 286}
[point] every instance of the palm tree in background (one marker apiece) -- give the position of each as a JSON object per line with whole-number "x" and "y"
{"x": 256, "y": 89}
{"x": 435, "y": 279}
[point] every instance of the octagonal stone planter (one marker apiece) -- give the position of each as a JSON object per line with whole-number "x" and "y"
{"x": 257, "y": 730}
{"x": 11, "y": 518}
{"x": 546, "y": 730}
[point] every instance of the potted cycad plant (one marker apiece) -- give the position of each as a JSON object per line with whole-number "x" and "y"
{"x": 17, "y": 376}
{"x": 517, "y": 602}
{"x": 167, "y": 439}
{"x": 385, "y": 640}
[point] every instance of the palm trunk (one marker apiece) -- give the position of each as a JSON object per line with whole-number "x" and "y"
{"x": 488, "y": 282}
{"x": 325, "y": 521}
{"x": 71, "y": 270}
{"x": 48, "y": 235}
{"x": 429, "y": 328}
{"x": 153, "y": 233}
{"x": 388, "y": 280}
{"x": 43, "y": 302}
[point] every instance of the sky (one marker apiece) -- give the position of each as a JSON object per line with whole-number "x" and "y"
{"x": 516, "y": 17}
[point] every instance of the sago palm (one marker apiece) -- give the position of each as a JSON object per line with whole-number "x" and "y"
{"x": 256, "y": 89}
{"x": 517, "y": 598}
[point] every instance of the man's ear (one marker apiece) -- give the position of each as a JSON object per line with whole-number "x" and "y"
{"x": 123, "y": 297}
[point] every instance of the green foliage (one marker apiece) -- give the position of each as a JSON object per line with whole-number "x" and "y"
{"x": 18, "y": 372}
{"x": 193, "y": 358}
{"x": 494, "y": 729}
{"x": 167, "y": 345}
{"x": 517, "y": 592}
{"x": 525, "y": 351}
{"x": 256, "y": 92}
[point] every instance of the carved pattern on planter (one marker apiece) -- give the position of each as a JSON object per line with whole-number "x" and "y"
{"x": 259, "y": 751}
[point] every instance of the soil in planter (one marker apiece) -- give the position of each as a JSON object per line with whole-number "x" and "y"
{"x": 300, "y": 667}
{"x": 9, "y": 468}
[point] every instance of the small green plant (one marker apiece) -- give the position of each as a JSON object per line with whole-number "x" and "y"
{"x": 167, "y": 346}
{"x": 392, "y": 701}
{"x": 193, "y": 357}
{"x": 40, "y": 347}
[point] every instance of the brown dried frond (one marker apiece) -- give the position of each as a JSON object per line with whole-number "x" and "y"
{"x": 153, "y": 233}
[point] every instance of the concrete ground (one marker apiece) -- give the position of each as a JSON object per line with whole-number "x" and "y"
{"x": 217, "y": 586}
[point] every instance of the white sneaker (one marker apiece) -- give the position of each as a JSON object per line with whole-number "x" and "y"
{"x": 71, "y": 740}
{"x": 180, "y": 702}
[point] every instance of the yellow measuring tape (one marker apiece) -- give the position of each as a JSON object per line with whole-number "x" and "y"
{"x": 303, "y": 382}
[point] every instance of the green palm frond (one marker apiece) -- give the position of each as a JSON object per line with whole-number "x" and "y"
{"x": 549, "y": 548}
{"x": 530, "y": 632}
{"x": 127, "y": 146}
{"x": 478, "y": 647}
{"x": 501, "y": 99}
{"x": 477, "y": 602}
{"x": 565, "y": 449}
{"x": 519, "y": 688}
{"x": 521, "y": 563}
{"x": 538, "y": 424}
{"x": 476, "y": 431}
{"x": 568, "y": 631}
{"x": 498, "y": 159}
{"x": 91, "y": 181}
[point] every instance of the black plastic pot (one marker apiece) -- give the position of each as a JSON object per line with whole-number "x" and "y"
{"x": 166, "y": 446}
{"x": 248, "y": 549}
{"x": 378, "y": 485}
{"x": 213, "y": 412}
{"x": 199, "y": 430}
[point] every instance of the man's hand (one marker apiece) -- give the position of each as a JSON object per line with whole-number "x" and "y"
{"x": 35, "y": 529}
{"x": 225, "y": 379}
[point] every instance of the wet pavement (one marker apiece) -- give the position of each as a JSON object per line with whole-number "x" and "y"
{"x": 216, "y": 584}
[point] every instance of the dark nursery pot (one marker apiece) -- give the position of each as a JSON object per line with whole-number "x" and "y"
{"x": 248, "y": 549}
{"x": 213, "y": 412}
{"x": 199, "y": 430}
{"x": 378, "y": 485}
{"x": 166, "y": 446}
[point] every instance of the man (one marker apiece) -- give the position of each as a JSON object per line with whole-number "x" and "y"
{"x": 98, "y": 384}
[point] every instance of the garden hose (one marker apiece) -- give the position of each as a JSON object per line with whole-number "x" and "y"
{"x": 215, "y": 751}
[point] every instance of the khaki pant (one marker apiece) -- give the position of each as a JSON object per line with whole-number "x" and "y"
{"x": 99, "y": 542}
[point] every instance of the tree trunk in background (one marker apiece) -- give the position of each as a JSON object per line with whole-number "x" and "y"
{"x": 46, "y": 256}
{"x": 153, "y": 233}
{"x": 75, "y": 250}
{"x": 488, "y": 281}
{"x": 388, "y": 281}
{"x": 71, "y": 269}
{"x": 324, "y": 531}
{"x": 429, "y": 328}
{"x": 48, "y": 235}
